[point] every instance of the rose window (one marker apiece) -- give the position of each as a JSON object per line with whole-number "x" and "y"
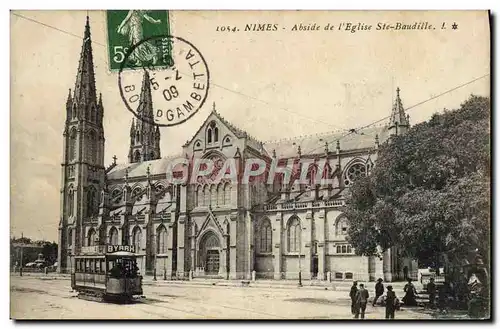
{"x": 354, "y": 172}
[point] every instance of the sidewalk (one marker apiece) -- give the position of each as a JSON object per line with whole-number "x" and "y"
{"x": 260, "y": 283}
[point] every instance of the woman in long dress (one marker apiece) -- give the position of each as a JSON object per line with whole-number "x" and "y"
{"x": 131, "y": 27}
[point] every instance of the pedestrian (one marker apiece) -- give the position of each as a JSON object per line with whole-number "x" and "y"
{"x": 405, "y": 273}
{"x": 352, "y": 294}
{"x": 361, "y": 301}
{"x": 431, "y": 289}
{"x": 390, "y": 303}
{"x": 410, "y": 294}
{"x": 379, "y": 290}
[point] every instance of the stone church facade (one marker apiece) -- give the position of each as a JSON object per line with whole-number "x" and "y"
{"x": 225, "y": 229}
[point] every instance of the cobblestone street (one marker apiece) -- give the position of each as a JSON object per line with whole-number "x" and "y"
{"x": 35, "y": 297}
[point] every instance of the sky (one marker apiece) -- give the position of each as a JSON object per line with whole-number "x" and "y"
{"x": 274, "y": 85}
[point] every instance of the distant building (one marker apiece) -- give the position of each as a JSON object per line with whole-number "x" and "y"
{"x": 222, "y": 230}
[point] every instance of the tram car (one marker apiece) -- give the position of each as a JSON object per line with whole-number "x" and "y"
{"x": 106, "y": 273}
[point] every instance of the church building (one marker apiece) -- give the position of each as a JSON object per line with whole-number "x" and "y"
{"x": 214, "y": 230}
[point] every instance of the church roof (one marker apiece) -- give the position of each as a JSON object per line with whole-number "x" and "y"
{"x": 315, "y": 144}
{"x": 139, "y": 169}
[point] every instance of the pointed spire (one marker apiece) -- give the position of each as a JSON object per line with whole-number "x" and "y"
{"x": 148, "y": 173}
{"x": 132, "y": 128}
{"x": 68, "y": 101}
{"x": 85, "y": 91}
{"x": 338, "y": 147}
{"x": 114, "y": 159}
{"x": 126, "y": 175}
{"x": 326, "y": 147}
{"x": 157, "y": 133}
{"x": 299, "y": 151}
{"x": 213, "y": 107}
{"x": 145, "y": 109}
{"x": 398, "y": 116}
{"x": 377, "y": 143}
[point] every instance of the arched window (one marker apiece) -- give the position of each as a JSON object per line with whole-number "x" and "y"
{"x": 137, "y": 137}
{"x": 71, "y": 202}
{"x": 113, "y": 236}
{"x": 216, "y": 135}
{"x": 209, "y": 135}
{"x": 91, "y": 240}
{"x": 137, "y": 194}
{"x": 266, "y": 236}
{"x": 72, "y": 144}
{"x": 137, "y": 156}
{"x": 92, "y": 147}
{"x": 227, "y": 193}
{"x": 342, "y": 226}
{"x": 116, "y": 196}
{"x": 355, "y": 171}
{"x": 161, "y": 240}
{"x": 199, "y": 196}
{"x": 213, "y": 195}
{"x": 136, "y": 238}
{"x": 220, "y": 194}
{"x": 73, "y": 114}
{"x": 294, "y": 232}
{"x": 92, "y": 202}
{"x": 206, "y": 195}
{"x": 70, "y": 237}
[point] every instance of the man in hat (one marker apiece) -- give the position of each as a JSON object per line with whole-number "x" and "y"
{"x": 352, "y": 294}
{"x": 379, "y": 290}
{"x": 361, "y": 301}
{"x": 390, "y": 303}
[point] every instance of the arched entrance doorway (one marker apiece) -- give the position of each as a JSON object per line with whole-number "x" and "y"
{"x": 209, "y": 253}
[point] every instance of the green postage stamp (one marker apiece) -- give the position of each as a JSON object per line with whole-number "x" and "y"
{"x": 130, "y": 39}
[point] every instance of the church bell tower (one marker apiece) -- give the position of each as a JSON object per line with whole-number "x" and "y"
{"x": 83, "y": 159}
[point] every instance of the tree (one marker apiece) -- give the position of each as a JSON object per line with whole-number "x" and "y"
{"x": 429, "y": 193}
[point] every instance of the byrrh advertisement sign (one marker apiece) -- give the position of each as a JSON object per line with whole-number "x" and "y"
{"x": 109, "y": 249}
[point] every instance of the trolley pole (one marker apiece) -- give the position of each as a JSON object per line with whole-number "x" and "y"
{"x": 21, "y": 267}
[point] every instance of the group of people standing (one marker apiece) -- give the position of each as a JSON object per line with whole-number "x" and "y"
{"x": 359, "y": 299}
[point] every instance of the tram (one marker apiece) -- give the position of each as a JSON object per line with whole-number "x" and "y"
{"x": 106, "y": 273}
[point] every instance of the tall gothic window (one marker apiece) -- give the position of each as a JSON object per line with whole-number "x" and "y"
{"x": 93, "y": 114}
{"x": 265, "y": 236}
{"x": 71, "y": 202}
{"x": 113, "y": 236}
{"x": 136, "y": 238}
{"x": 216, "y": 135}
{"x": 92, "y": 202}
{"x": 92, "y": 147}
{"x": 227, "y": 193}
{"x": 70, "y": 237}
{"x": 220, "y": 194}
{"x": 161, "y": 240}
{"x": 91, "y": 238}
{"x": 206, "y": 195}
{"x": 137, "y": 156}
{"x": 199, "y": 196}
{"x": 213, "y": 195}
{"x": 72, "y": 144}
{"x": 293, "y": 237}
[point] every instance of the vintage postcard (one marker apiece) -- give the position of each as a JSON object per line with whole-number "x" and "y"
{"x": 250, "y": 165}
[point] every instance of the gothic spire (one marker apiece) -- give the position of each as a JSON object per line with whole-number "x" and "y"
{"x": 398, "y": 116}
{"x": 145, "y": 109}
{"x": 85, "y": 91}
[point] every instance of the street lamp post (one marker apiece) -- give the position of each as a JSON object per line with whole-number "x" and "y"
{"x": 164, "y": 269}
{"x": 154, "y": 269}
{"x": 300, "y": 260}
{"x": 21, "y": 267}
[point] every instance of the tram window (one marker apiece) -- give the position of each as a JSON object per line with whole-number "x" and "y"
{"x": 103, "y": 266}
{"x": 87, "y": 265}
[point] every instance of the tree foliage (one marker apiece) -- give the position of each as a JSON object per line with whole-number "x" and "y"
{"x": 429, "y": 192}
